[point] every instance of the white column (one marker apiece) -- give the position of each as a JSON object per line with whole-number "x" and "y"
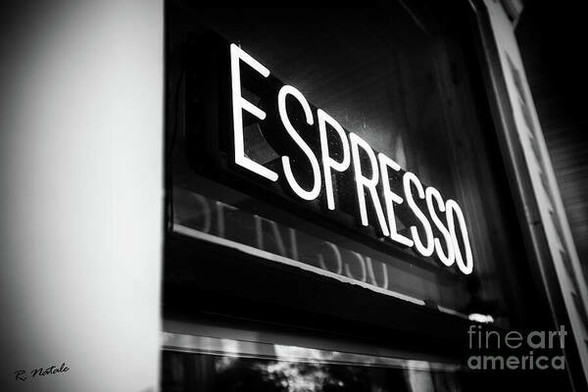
{"x": 81, "y": 184}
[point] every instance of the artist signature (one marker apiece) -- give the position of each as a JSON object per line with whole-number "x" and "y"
{"x": 23, "y": 375}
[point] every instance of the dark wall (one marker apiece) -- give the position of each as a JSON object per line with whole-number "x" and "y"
{"x": 552, "y": 36}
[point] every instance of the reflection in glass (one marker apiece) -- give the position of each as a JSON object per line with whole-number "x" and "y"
{"x": 184, "y": 372}
{"x": 198, "y": 216}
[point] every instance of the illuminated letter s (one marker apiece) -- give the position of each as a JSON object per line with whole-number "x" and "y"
{"x": 316, "y": 173}
{"x": 408, "y": 179}
{"x": 433, "y": 197}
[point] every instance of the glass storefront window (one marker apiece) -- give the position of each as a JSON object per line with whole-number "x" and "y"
{"x": 400, "y": 78}
{"x": 260, "y": 375}
{"x": 206, "y": 364}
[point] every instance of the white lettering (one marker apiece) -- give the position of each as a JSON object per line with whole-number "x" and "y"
{"x": 316, "y": 172}
{"x": 328, "y": 162}
{"x": 408, "y": 179}
{"x": 240, "y": 104}
{"x": 334, "y": 159}
{"x": 362, "y": 182}
{"x": 390, "y": 198}
{"x": 432, "y": 194}
{"x": 453, "y": 209}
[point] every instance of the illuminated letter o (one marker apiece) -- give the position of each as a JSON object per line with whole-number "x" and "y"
{"x": 452, "y": 211}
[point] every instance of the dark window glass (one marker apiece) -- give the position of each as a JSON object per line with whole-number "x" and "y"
{"x": 399, "y": 78}
{"x": 187, "y": 372}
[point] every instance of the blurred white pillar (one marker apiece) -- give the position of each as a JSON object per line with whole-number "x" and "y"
{"x": 81, "y": 194}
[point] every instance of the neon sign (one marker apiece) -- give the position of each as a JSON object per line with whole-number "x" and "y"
{"x": 371, "y": 173}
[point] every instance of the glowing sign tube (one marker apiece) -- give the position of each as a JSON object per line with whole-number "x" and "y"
{"x": 452, "y": 209}
{"x": 408, "y": 179}
{"x": 390, "y": 198}
{"x": 434, "y": 236}
{"x": 240, "y": 104}
{"x": 362, "y": 182}
{"x": 433, "y": 197}
{"x": 316, "y": 171}
{"x": 328, "y": 162}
